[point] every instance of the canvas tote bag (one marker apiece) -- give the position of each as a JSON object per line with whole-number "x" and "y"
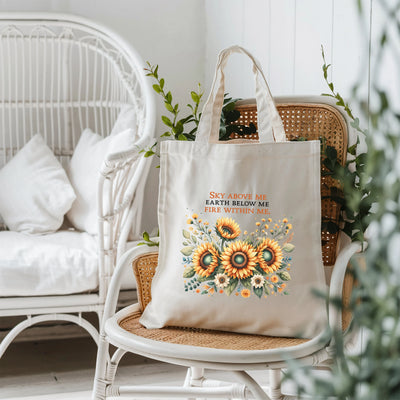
{"x": 240, "y": 244}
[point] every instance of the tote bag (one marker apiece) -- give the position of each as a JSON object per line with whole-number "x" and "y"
{"x": 240, "y": 244}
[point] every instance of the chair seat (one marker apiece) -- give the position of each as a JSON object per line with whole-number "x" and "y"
{"x": 206, "y": 338}
{"x": 187, "y": 344}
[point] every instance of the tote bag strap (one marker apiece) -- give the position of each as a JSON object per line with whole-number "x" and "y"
{"x": 270, "y": 127}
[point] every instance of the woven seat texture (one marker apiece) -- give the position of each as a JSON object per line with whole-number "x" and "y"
{"x": 206, "y": 338}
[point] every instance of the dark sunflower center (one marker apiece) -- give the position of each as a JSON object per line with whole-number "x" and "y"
{"x": 257, "y": 281}
{"x": 206, "y": 259}
{"x": 227, "y": 229}
{"x": 269, "y": 256}
{"x": 239, "y": 259}
{"x": 221, "y": 279}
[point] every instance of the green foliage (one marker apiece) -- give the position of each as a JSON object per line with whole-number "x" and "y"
{"x": 374, "y": 371}
{"x": 356, "y": 198}
{"x": 147, "y": 241}
{"x": 186, "y": 128}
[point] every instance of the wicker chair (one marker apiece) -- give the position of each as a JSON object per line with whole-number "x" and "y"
{"x": 59, "y": 75}
{"x": 201, "y": 349}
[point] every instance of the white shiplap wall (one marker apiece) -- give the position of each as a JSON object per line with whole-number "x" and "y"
{"x": 286, "y": 36}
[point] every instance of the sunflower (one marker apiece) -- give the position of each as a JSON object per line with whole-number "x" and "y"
{"x": 269, "y": 255}
{"x": 257, "y": 281}
{"x": 221, "y": 280}
{"x": 227, "y": 228}
{"x": 205, "y": 259}
{"x": 239, "y": 260}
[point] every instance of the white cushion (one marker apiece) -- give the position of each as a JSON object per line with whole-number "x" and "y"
{"x": 84, "y": 171}
{"x": 65, "y": 262}
{"x": 35, "y": 191}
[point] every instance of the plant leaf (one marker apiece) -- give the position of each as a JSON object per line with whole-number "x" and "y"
{"x": 187, "y": 250}
{"x": 288, "y": 247}
{"x": 188, "y": 272}
{"x": 231, "y": 286}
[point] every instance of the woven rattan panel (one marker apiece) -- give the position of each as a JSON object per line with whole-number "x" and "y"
{"x": 144, "y": 268}
{"x": 207, "y": 338}
{"x": 311, "y": 122}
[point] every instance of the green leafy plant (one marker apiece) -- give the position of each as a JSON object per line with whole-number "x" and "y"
{"x": 373, "y": 372}
{"x": 356, "y": 197}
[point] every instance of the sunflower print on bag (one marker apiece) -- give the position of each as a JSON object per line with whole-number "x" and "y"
{"x": 221, "y": 259}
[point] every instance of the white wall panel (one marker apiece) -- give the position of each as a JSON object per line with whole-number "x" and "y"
{"x": 313, "y": 29}
{"x": 224, "y": 27}
{"x": 282, "y": 50}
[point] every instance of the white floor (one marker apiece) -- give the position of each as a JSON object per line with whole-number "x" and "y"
{"x": 64, "y": 370}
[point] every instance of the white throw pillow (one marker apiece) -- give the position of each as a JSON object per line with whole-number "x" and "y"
{"x": 35, "y": 191}
{"x": 83, "y": 171}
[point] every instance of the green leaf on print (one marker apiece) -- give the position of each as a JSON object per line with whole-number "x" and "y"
{"x": 266, "y": 288}
{"x": 231, "y": 286}
{"x": 246, "y": 283}
{"x": 260, "y": 270}
{"x": 194, "y": 240}
{"x": 259, "y": 292}
{"x": 288, "y": 247}
{"x": 204, "y": 292}
{"x": 188, "y": 272}
{"x": 204, "y": 278}
{"x": 187, "y": 251}
{"x": 285, "y": 276}
{"x": 185, "y": 234}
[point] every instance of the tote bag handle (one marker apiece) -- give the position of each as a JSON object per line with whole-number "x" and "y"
{"x": 270, "y": 127}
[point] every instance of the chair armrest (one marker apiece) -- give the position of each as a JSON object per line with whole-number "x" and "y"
{"x": 337, "y": 279}
{"x": 124, "y": 262}
{"x": 117, "y": 187}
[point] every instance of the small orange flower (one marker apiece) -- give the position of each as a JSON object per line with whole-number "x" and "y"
{"x": 189, "y": 221}
{"x": 274, "y": 279}
{"x": 285, "y": 221}
{"x": 263, "y": 220}
{"x": 258, "y": 224}
{"x": 195, "y": 216}
{"x": 271, "y": 286}
{"x": 221, "y": 291}
{"x": 206, "y": 223}
{"x": 272, "y": 231}
{"x": 245, "y": 293}
{"x": 266, "y": 226}
{"x": 283, "y": 285}
{"x": 199, "y": 220}
{"x": 197, "y": 290}
{"x": 245, "y": 232}
{"x": 280, "y": 290}
{"x": 269, "y": 220}
{"x": 289, "y": 226}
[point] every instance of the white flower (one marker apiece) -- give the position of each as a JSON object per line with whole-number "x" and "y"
{"x": 257, "y": 281}
{"x": 221, "y": 280}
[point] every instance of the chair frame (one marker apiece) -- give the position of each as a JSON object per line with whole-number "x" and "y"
{"x": 316, "y": 352}
{"x": 89, "y": 72}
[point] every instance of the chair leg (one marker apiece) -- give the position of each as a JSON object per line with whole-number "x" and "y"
{"x": 275, "y": 378}
{"x": 100, "y": 380}
{"x": 194, "y": 377}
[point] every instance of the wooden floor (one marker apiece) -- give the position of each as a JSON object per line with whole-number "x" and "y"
{"x": 64, "y": 370}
